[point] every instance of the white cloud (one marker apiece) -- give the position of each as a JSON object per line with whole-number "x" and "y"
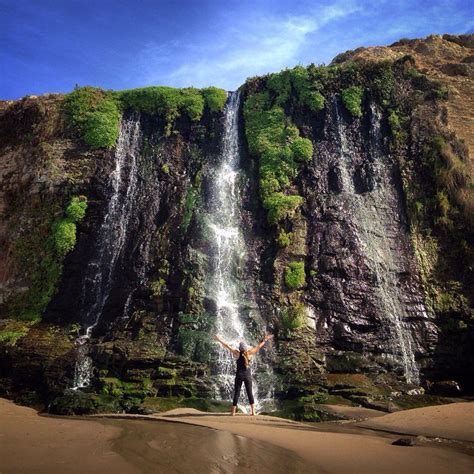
{"x": 252, "y": 46}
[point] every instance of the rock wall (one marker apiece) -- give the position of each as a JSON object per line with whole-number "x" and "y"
{"x": 372, "y": 327}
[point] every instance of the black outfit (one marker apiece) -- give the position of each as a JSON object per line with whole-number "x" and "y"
{"x": 244, "y": 374}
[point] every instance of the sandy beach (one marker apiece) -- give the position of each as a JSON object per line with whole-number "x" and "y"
{"x": 191, "y": 441}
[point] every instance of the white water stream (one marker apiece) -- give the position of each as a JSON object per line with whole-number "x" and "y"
{"x": 112, "y": 233}
{"x": 371, "y": 211}
{"x": 228, "y": 257}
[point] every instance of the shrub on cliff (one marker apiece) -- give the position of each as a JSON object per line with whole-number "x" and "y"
{"x": 352, "y": 100}
{"x": 281, "y": 206}
{"x": 279, "y": 148}
{"x": 302, "y": 149}
{"x": 64, "y": 235}
{"x": 214, "y": 98}
{"x": 94, "y": 114}
{"x": 64, "y": 231}
{"x": 295, "y": 86}
{"x": 294, "y": 275}
{"x": 42, "y": 259}
{"x": 101, "y": 128}
{"x": 170, "y": 102}
{"x": 76, "y": 209}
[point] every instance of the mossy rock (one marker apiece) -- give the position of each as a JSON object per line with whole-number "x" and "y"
{"x": 127, "y": 390}
{"x": 12, "y": 330}
{"x": 301, "y": 409}
{"x": 165, "y": 373}
{"x": 350, "y": 362}
{"x": 162, "y": 404}
{"x": 343, "y": 381}
{"x": 79, "y": 403}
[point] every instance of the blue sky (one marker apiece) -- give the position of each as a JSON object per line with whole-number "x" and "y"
{"x": 52, "y": 45}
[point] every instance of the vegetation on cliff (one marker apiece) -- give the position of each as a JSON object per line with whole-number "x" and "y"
{"x": 280, "y": 149}
{"x": 41, "y": 253}
{"x": 95, "y": 113}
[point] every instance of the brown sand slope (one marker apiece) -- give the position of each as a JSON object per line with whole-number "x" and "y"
{"x": 454, "y": 421}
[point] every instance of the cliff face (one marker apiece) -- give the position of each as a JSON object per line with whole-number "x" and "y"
{"x": 354, "y": 205}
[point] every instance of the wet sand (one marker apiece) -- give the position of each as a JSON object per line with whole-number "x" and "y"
{"x": 191, "y": 441}
{"x": 30, "y": 443}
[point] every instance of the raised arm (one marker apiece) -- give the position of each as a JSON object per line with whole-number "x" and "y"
{"x": 255, "y": 349}
{"x": 235, "y": 352}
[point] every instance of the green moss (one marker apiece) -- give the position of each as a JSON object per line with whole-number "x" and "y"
{"x": 41, "y": 258}
{"x": 194, "y": 344}
{"x": 120, "y": 389}
{"x": 294, "y": 275}
{"x": 281, "y": 206}
{"x": 157, "y": 286}
{"x": 302, "y": 149}
{"x": 451, "y": 301}
{"x": 352, "y": 100}
{"x": 293, "y": 317}
{"x": 10, "y": 337}
{"x": 194, "y": 336}
{"x": 214, "y": 98}
{"x": 277, "y": 144}
{"x": 95, "y": 114}
{"x": 76, "y": 209}
{"x": 284, "y": 238}
{"x": 64, "y": 235}
{"x": 191, "y": 201}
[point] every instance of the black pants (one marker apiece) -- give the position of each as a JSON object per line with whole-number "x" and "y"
{"x": 247, "y": 380}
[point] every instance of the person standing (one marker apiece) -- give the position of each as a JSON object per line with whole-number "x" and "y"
{"x": 243, "y": 373}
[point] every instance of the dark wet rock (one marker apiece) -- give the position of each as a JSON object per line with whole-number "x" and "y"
{"x": 404, "y": 442}
{"x": 448, "y": 388}
{"x": 79, "y": 403}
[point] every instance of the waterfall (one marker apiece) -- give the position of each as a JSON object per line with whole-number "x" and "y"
{"x": 371, "y": 210}
{"x": 111, "y": 238}
{"x": 229, "y": 253}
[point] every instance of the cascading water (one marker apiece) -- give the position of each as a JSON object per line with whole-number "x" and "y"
{"x": 111, "y": 239}
{"x": 229, "y": 252}
{"x": 369, "y": 211}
